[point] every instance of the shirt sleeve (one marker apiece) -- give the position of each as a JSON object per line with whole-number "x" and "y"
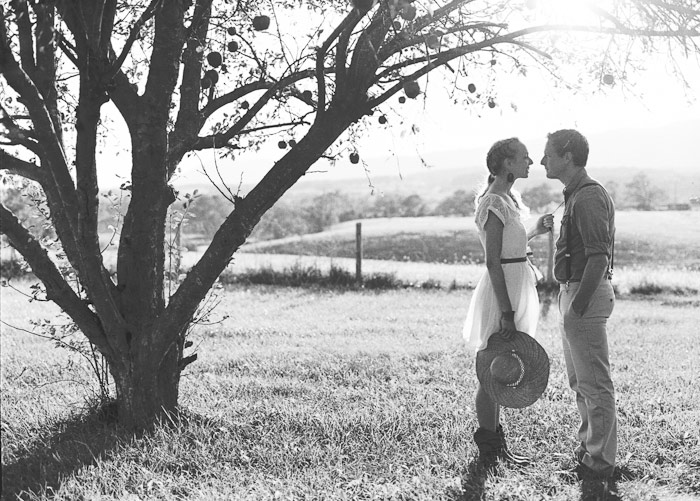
{"x": 592, "y": 219}
{"x": 490, "y": 203}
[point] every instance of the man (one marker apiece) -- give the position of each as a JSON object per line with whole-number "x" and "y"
{"x": 583, "y": 267}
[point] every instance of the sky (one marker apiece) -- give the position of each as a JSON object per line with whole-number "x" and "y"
{"x": 618, "y": 119}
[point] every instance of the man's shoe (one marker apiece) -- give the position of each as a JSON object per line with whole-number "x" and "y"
{"x": 599, "y": 489}
{"x": 572, "y": 474}
{"x": 597, "y": 486}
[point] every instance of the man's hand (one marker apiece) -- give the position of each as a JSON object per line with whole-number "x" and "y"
{"x": 577, "y": 309}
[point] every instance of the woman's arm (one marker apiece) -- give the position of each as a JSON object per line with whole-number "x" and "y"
{"x": 494, "y": 244}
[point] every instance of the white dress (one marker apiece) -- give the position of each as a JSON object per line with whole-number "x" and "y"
{"x": 484, "y": 314}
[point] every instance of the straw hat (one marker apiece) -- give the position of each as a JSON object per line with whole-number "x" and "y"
{"x": 514, "y": 373}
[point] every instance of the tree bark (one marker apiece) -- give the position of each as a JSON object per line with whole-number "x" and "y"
{"x": 147, "y": 383}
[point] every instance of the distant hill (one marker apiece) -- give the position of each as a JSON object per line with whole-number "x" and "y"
{"x": 435, "y": 184}
{"x": 664, "y": 153}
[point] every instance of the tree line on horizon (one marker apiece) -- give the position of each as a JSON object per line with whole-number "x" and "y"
{"x": 198, "y": 215}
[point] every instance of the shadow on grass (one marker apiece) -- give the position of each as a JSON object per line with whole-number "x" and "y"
{"x": 67, "y": 446}
{"x": 59, "y": 451}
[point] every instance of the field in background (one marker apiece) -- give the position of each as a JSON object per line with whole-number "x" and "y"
{"x": 462, "y": 275}
{"x": 653, "y": 249}
{"x": 304, "y": 393}
{"x": 670, "y": 239}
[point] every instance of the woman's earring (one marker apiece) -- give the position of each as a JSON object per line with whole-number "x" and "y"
{"x": 510, "y": 177}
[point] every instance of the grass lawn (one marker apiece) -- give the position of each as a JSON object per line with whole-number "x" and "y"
{"x": 313, "y": 394}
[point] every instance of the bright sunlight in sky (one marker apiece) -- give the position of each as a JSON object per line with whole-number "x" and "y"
{"x": 464, "y": 134}
{"x": 527, "y": 107}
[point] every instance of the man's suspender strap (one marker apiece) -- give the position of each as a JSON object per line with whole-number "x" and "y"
{"x": 567, "y": 255}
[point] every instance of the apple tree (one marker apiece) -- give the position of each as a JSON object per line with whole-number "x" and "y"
{"x": 185, "y": 76}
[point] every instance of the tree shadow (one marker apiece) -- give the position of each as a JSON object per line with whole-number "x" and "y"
{"x": 59, "y": 450}
{"x": 68, "y": 445}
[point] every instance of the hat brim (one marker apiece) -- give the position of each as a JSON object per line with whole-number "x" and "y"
{"x": 535, "y": 370}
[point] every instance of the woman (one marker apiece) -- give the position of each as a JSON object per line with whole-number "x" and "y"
{"x": 505, "y": 299}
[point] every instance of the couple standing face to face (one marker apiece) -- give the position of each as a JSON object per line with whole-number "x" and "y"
{"x": 556, "y": 165}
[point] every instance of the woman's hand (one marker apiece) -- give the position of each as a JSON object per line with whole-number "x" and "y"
{"x": 507, "y": 325}
{"x": 545, "y": 223}
{"x": 507, "y": 329}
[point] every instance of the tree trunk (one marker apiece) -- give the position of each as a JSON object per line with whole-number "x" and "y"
{"x": 147, "y": 383}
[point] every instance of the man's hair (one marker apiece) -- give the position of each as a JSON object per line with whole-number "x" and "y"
{"x": 572, "y": 141}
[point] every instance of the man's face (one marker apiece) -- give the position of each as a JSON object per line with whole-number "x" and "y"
{"x": 554, "y": 165}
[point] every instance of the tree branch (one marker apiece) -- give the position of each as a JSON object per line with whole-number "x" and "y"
{"x": 164, "y": 64}
{"x": 274, "y": 126}
{"x": 365, "y": 59}
{"x": 45, "y": 75}
{"x": 24, "y": 29}
{"x": 693, "y": 13}
{"x": 632, "y": 32}
{"x": 211, "y": 141}
{"x": 605, "y": 15}
{"x": 189, "y": 119}
{"x": 221, "y": 139}
{"x": 57, "y": 289}
{"x": 14, "y": 165}
{"x": 450, "y": 54}
{"x": 348, "y": 22}
{"x": 341, "y": 53}
{"x": 59, "y": 184}
{"x": 15, "y": 135}
{"x": 397, "y": 44}
{"x": 109, "y": 12}
{"x": 59, "y": 187}
{"x": 134, "y": 33}
{"x": 67, "y": 48}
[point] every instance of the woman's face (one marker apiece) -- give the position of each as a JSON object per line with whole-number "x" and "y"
{"x": 520, "y": 164}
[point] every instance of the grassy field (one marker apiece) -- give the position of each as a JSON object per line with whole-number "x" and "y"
{"x": 664, "y": 238}
{"x": 628, "y": 279}
{"x": 321, "y": 394}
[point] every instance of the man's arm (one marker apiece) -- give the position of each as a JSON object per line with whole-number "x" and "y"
{"x": 592, "y": 222}
{"x": 596, "y": 265}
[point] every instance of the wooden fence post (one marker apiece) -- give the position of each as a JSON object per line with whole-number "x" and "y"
{"x": 358, "y": 253}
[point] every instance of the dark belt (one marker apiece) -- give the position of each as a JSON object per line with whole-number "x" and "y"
{"x": 513, "y": 260}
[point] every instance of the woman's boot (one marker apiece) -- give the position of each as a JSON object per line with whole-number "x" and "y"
{"x": 489, "y": 445}
{"x": 507, "y": 456}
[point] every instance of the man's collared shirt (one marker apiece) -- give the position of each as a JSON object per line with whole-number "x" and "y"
{"x": 592, "y": 215}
